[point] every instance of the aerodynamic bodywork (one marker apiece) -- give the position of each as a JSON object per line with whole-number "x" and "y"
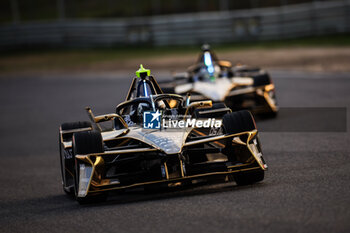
{"x": 145, "y": 145}
{"x": 239, "y": 87}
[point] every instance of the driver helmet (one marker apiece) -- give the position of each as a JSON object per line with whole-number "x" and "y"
{"x": 211, "y": 69}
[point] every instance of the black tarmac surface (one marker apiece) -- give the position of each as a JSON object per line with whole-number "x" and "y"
{"x": 307, "y": 187}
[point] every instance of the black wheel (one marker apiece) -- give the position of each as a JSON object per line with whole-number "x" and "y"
{"x": 168, "y": 90}
{"x": 267, "y": 115}
{"x": 66, "y": 160}
{"x": 215, "y": 106}
{"x": 240, "y": 121}
{"x": 237, "y": 122}
{"x": 261, "y": 79}
{"x": 245, "y": 70}
{"x": 200, "y": 157}
{"x": 86, "y": 143}
{"x": 247, "y": 178}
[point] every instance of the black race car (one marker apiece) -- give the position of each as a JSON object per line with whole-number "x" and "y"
{"x": 239, "y": 87}
{"x": 157, "y": 140}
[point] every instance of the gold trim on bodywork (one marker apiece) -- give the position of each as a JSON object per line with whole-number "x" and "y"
{"x": 75, "y": 130}
{"x": 269, "y": 87}
{"x": 108, "y": 117}
{"x": 223, "y": 63}
{"x": 267, "y": 97}
{"x": 251, "y": 135}
{"x": 177, "y": 179}
{"x": 166, "y": 171}
{"x": 138, "y": 150}
{"x": 182, "y": 169}
{"x": 87, "y": 162}
{"x": 220, "y": 137}
{"x": 92, "y": 118}
{"x": 96, "y": 181}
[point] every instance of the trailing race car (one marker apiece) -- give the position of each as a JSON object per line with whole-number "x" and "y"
{"x": 239, "y": 87}
{"x": 146, "y": 146}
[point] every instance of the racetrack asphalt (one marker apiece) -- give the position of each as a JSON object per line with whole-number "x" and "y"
{"x": 307, "y": 187}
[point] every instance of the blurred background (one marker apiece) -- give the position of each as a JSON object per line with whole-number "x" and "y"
{"x": 87, "y": 23}
{"x": 89, "y": 33}
{"x": 21, "y": 10}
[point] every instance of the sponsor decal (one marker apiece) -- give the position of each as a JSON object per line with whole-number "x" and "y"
{"x": 154, "y": 120}
{"x": 196, "y": 123}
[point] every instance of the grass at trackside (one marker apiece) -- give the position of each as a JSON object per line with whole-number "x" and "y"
{"x": 66, "y": 58}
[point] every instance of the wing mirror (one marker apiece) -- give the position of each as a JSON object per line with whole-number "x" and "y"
{"x": 199, "y": 104}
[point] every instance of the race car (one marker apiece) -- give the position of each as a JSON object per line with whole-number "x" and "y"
{"x": 239, "y": 87}
{"x": 157, "y": 140}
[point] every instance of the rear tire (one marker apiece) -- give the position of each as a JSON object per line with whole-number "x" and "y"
{"x": 86, "y": 143}
{"x": 262, "y": 79}
{"x": 168, "y": 90}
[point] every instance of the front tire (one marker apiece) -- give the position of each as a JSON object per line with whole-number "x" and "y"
{"x": 262, "y": 79}
{"x": 215, "y": 106}
{"x": 247, "y": 178}
{"x": 86, "y": 143}
{"x": 240, "y": 121}
{"x": 236, "y": 122}
{"x": 67, "y": 163}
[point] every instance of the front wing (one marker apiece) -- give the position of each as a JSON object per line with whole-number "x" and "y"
{"x": 93, "y": 166}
